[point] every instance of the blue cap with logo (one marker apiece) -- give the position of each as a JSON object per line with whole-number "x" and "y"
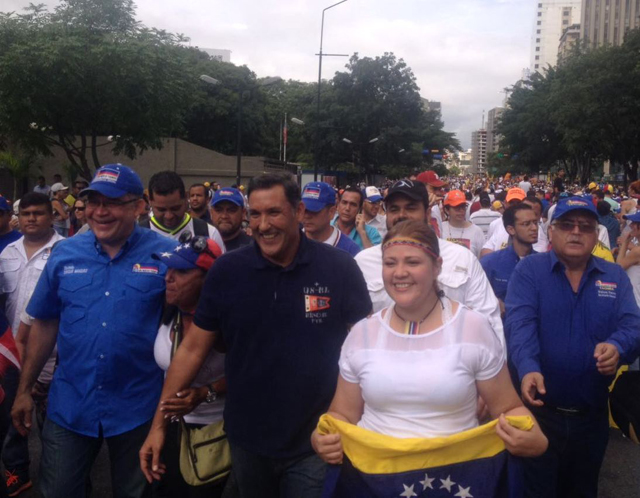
{"x": 318, "y": 195}
{"x": 573, "y": 204}
{"x": 4, "y": 204}
{"x": 115, "y": 180}
{"x": 228, "y": 194}
{"x": 201, "y": 253}
{"x": 372, "y": 194}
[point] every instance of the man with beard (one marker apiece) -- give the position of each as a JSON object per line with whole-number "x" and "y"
{"x": 198, "y": 202}
{"x": 228, "y": 213}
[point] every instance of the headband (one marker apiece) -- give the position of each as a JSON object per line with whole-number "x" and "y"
{"x": 408, "y": 241}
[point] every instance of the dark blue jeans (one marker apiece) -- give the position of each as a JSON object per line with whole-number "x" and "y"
{"x": 570, "y": 467}
{"x": 15, "y": 454}
{"x": 258, "y": 476}
{"x": 67, "y": 458}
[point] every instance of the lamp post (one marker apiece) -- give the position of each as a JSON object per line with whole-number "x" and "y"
{"x": 320, "y": 56}
{"x": 357, "y": 144}
{"x": 264, "y": 82}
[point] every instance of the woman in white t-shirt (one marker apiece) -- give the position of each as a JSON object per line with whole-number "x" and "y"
{"x": 416, "y": 369}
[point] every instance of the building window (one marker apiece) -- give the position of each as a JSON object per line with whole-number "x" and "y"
{"x": 537, "y": 57}
{"x": 537, "y": 32}
{"x": 537, "y": 49}
{"x": 565, "y": 22}
{"x": 539, "y": 14}
{"x": 565, "y": 13}
{"x": 536, "y": 66}
{"x": 539, "y": 23}
{"x": 537, "y": 40}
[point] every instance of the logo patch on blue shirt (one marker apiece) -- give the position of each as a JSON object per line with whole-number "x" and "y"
{"x": 606, "y": 289}
{"x": 138, "y": 268}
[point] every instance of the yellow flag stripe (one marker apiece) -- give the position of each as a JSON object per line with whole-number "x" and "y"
{"x": 374, "y": 453}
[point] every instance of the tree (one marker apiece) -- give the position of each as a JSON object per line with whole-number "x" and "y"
{"x": 18, "y": 166}
{"x": 89, "y": 69}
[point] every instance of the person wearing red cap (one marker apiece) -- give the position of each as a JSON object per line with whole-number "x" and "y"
{"x": 457, "y": 229}
{"x": 435, "y": 188}
{"x": 203, "y": 402}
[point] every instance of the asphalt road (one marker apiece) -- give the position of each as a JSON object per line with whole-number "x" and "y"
{"x": 619, "y": 478}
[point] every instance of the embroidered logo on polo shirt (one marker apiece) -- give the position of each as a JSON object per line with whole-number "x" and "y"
{"x": 606, "y": 289}
{"x": 138, "y": 268}
{"x": 316, "y": 304}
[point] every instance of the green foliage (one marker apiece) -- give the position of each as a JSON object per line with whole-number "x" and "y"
{"x": 18, "y": 165}
{"x": 579, "y": 114}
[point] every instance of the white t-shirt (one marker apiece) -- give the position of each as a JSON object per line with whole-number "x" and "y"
{"x": 471, "y": 237}
{"x": 212, "y": 370}
{"x": 482, "y": 218}
{"x": 462, "y": 279}
{"x": 421, "y": 385}
{"x": 526, "y": 186}
{"x": 213, "y": 233}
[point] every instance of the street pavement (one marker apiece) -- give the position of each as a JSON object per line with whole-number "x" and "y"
{"x": 619, "y": 478}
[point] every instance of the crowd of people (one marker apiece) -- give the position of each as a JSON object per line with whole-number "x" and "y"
{"x": 420, "y": 308}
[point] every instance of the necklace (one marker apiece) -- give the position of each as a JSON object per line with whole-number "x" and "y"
{"x": 412, "y": 328}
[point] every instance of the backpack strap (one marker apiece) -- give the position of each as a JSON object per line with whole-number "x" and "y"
{"x": 200, "y": 227}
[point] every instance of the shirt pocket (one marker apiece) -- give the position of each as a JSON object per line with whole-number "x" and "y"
{"x": 9, "y": 275}
{"x": 140, "y": 302}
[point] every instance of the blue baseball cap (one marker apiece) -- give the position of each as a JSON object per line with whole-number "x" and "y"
{"x": 318, "y": 195}
{"x": 115, "y": 180}
{"x": 372, "y": 194}
{"x": 573, "y": 204}
{"x": 228, "y": 194}
{"x": 4, "y": 204}
{"x": 634, "y": 218}
{"x": 185, "y": 257}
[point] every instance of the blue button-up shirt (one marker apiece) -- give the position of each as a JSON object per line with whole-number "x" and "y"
{"x": 109, "y": 312}
{"x": 553, "y": 330}
{"x": 499, "y": 266}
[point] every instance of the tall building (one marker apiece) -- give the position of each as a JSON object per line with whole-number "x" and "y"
{"x": 552, "y": 17}
{"x": 569, "y": 38}
{"x": 493, "y": 139}
{"x": 607, "y": 21}
{"x": 479, "y": 151}
{"x": 431, "y": 105}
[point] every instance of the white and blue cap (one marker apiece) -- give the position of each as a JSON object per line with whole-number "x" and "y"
{"x": 318, "y": 195}
{"x": 634, "y": 218}
{"x": 372, "y": 194}
{"x": 115, "y": 180}
{"x": 570, "y": 204}
{"x": 228, "y": 194}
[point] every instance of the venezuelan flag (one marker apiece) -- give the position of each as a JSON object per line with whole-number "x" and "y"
{"x": 470, "y": 464}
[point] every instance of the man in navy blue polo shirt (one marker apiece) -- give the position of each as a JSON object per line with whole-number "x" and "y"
{"x": 100, "y": 296}
{"x": 571, "y": 317}
{"x": 319, "y": 201}
{"x": 521, "y": 224}
{"x": 282, "y": 342}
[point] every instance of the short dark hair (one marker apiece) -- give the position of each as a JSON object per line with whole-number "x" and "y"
{"x": 604, "y": 208}
{"x": 526, "y": 178}
{"x": 485, "y": 200}
{"x": 532, "y": 199}
{"x": 165, "y": 183}
{"x": 354, "y": 190}
{"x": 83, "y": 182}
{"x": 35, "y": 199}
{"x": 206, "y": 190}
{"x": 509, "y": 215}
{"x": 599, "y": 194}
{"x": 267, "y": 181}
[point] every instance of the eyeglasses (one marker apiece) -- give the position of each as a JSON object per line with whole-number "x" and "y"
{"x": 527, "y": 224}
{"x": 567, "y": 226}
{"x": 109, "y": 203}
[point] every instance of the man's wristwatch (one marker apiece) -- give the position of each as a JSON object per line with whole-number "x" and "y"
{"x": 212, "y": 394}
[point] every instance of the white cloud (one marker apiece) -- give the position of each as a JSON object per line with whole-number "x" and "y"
{"x": 463, "y": 52}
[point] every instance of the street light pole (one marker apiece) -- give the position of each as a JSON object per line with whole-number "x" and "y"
{"x": 239, "y": 143}
{"x": 320, "y": 55}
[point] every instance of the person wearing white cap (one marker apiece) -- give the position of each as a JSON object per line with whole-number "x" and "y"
{"x": 371, "y": 210}
{"x": 61, "y": 222}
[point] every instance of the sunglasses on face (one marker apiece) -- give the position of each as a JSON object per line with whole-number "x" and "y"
{"x": 568, "y": 226}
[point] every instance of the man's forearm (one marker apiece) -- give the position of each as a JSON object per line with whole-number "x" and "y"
{"x": 366, "y": 243}
{"x": 42, "y": 339}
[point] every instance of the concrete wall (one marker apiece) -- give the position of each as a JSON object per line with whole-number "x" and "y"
{"x": 193, "y": 163}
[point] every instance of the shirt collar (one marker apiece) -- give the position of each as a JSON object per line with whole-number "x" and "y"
{"x": 594, "y": 263}
{"x": 303, "y": 256}
{"x": 130, "y": 242}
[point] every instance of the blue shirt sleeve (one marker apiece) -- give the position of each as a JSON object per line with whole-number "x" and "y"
{"x": 45, "y": 303}
{"x": 522, "y": 320}
{"x": 627, "y": 335}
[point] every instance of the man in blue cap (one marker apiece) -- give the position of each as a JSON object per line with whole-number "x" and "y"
{"x": 100, "y": 298}
{"x": 227, "y": 214}
{"x": 571, "y": 318}
{"x": 319, "y": 201}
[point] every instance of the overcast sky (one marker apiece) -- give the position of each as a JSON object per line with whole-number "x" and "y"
{"x": 463, "y": 52}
